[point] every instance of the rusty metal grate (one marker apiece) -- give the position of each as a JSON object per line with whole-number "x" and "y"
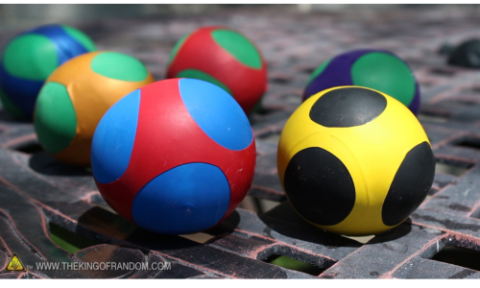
{"x": 35, "y": 190}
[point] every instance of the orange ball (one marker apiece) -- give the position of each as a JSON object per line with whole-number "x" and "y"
{"x": 75, "y": 97}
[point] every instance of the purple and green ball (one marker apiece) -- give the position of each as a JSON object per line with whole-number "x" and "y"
{"x": 28, "y": 60}
{"x": 377, "y": 69}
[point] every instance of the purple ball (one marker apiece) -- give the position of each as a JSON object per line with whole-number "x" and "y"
{"x": 377, "y": 69}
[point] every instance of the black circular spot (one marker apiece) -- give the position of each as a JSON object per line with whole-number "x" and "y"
{"x": 319, "y": 186}
{"x": 410, "y": 186}
{"x": 347, "y": 107}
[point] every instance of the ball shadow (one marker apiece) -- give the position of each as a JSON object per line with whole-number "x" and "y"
{"x": 45, "y": 164}
{"x": 226, "y": 227}
{"x": 391, "y": 235}
{"x": 284, "y": 220}
{"x": 99, "y": 221}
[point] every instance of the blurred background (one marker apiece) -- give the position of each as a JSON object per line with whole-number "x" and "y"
{"x": 21, "y": 16}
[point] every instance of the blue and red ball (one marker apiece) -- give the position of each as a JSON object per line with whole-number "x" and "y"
{"x": 175, "y": 157}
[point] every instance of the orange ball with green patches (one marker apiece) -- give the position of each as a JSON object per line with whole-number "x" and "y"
{"x": 77, "y": 94}
{"x": 223, "y": 57}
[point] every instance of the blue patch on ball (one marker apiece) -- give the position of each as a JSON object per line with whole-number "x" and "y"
{"x": 179, "y": 201}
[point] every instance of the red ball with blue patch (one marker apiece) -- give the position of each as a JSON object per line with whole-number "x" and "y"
{"x": 175, "y": 157}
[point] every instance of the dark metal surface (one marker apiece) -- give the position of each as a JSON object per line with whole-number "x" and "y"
{"x": 36, "y": 190}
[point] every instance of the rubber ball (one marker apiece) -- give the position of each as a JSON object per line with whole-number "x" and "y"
{"x": 354, "y": 161}
{"x": 377, "y": 69}
{"x": 28, "y": 60}
{"x": 466, "y": 54}
{"x": 223, "y": 57}
{"x": 75, "y": 97}
{"x": 174, "y": 157}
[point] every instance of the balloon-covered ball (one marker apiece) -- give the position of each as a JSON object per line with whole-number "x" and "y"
{"x": 377, "y": 69}
{"x": 75, "y": 97}
{"x": 28, "y": 60}
{"x": 354, "y": 161}
{"x": 224, "y": 57}
{"x": 175, "y": 157}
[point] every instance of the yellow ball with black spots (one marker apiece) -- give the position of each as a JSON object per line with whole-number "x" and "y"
{"x": 355, "y": 161}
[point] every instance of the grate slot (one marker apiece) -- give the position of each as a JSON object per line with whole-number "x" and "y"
{"x": 280, "y": 80}
{"x": 450, "y": 167}
{"x": 442, "y": 72}
{"x": 291, "y": 259}
{"x": 68, "y": 240}
{"x": 459, "y": 256}
{"x": 292, "y": 264}
{"x": 469, "y": 142}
